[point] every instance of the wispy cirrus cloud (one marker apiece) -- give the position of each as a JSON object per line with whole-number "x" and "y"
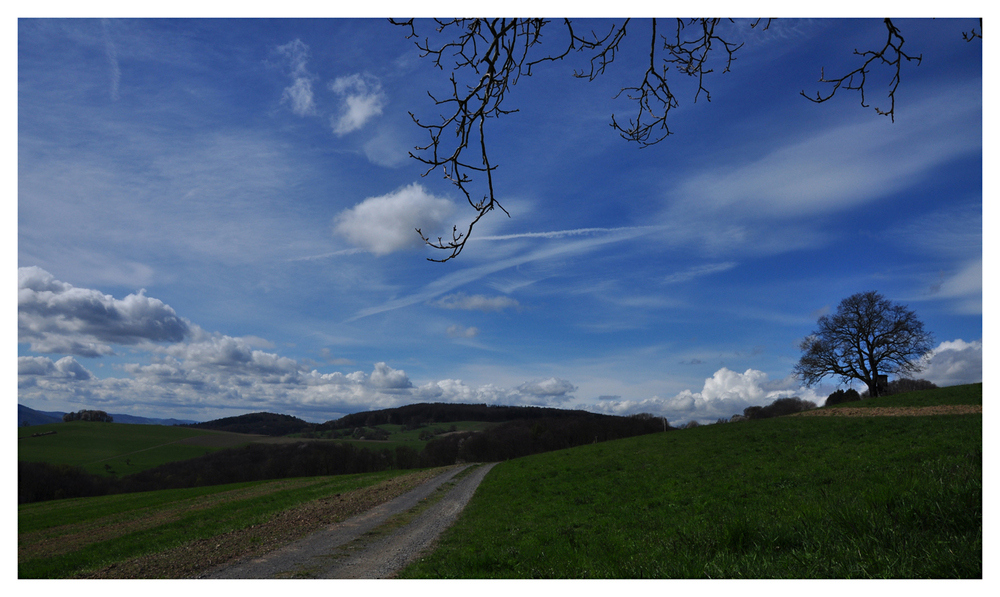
{"x": 771, "y": 203}
{"x": 556, "y": 249}
{"x": 112, "y": 53}
{"x": 698, "y": 271}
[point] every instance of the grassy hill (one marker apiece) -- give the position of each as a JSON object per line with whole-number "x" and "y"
{"x": 792, "y": 497}
{"x": 100, "y": 448}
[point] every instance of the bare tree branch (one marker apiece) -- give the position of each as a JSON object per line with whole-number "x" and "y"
{"x": 497, "y": 52}
{"x": 972, "y": 35}
{"x": 891, "y": 54}
{"x": 487, "y": 57}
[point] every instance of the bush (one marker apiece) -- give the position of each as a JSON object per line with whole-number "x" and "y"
{"x": 778, "y": 408}
{"x": 841, "y": 396}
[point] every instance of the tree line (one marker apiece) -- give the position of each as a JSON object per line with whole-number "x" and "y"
{"x": 259, "y": 462}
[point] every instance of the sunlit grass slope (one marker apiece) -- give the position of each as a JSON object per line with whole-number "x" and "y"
{"x": 793, "y": 497}
{"x": 125, "y": 448}
{"x": 964, "y": 394}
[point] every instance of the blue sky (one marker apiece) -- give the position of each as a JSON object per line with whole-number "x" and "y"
{"x": 216, "y": 217}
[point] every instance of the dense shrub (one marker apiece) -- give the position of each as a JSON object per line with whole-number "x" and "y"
{"x": 901, "y": 386}
{"x": 841, "y": 396}
{"x": 41, "y": 481}
{"x": 778, "y": 408}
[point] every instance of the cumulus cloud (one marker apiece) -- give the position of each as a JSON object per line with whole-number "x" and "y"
{"x": 954, "y": 362}
{"x": 65, "y": 368}
{"x": 363, "y": 100}
{"x": 476, "y": 302}
{"x": 724, "y": 394}
{"x": 388, "y": 223}
{"x": 300, "y": 93}
{"x": 385, "y": 377}
{"x": 546, "y": 392}
{"x": 56, "y": 317}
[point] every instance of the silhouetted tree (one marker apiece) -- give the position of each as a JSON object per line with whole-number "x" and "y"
{"x": 487, "y": 57}
{"x": 866, "y": 338}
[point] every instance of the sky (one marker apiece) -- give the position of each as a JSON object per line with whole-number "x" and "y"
{"x": 216, "y": 217}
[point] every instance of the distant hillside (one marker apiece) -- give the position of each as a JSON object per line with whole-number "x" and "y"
{"x": 31, "y": 416}
{"x": 257, "y": 423}
{"x": 133, "y": 420}
{"x": 418, "y": 415}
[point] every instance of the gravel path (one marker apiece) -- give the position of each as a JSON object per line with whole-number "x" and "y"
{"x": 358, "y": 547}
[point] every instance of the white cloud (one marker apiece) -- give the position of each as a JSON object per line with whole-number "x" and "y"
{"x": 954, "y": 362}
{"x": 457, "y": 331}
{"x": 363, "y": 100}
{"x": 388, "y": 223}
{"x": 476, "y": 302}
{"x": 300, "y": 93}
{"x": 546, "y": 392}
{"x": 551, "y": 388}
{"x": 56, "y": 317}
{"x": 839, "y": 168}
{"x": 387, "y": 148}
{"x": 772, "y": 203}
{"x": 65, "y": 368}
{"x": 723, "y": 395}
{"x": 385, "y": 377}
{"x": 965, "y": 286}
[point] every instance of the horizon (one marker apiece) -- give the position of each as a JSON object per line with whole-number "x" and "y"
{"x": 216, "y": 217}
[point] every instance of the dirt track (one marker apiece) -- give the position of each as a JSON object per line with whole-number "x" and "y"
{"x": 894, "y": 411}
{"x": 374, "y": 544}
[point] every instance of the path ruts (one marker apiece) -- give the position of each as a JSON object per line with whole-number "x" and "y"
{"x": 343, "y": 551}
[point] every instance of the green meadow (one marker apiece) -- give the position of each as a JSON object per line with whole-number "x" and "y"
{"x": 100, "y": 448}
{"x": 74, "y": 537}
{"x": 791, "y": 497}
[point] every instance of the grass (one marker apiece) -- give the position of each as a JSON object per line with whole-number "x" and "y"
{"x": 954, "y": 395}
{"x": 124, "y": 448}
{"x": 794, "y": 497}
{"x": 64, "y": 538}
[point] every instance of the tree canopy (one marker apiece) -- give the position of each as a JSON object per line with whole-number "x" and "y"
{"x": 867, "y": 338}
